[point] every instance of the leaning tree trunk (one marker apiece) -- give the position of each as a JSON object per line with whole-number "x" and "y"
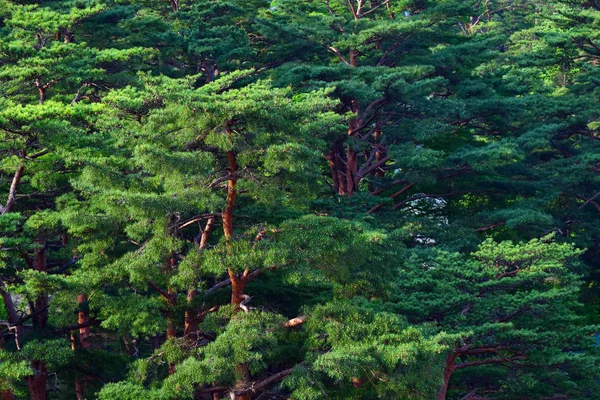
{"x": 449, "y": 369}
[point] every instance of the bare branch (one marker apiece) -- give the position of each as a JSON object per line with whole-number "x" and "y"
{"x": 385, "y": 3}
{"x": 12, "y": 192}
{"x": 295, "y": 322}
{"x": 500, "y": 360}
{"x": 337, "y": 53}
{"x": 158, "y": 289}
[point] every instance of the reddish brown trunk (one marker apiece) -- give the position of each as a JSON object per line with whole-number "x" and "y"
{"x": 191, "y": 320}
{"x": 353, "y": 55}
{"x": 80, "y": 388}
{"x": 449, "y": 369}
{"x": 85, "y": 333}
{"x": 37, "y": 382}
{"x": 83, "y": 317}
{"x": 238, "y": 283}
{"x": 227, "y": 214}
{"x": 8, "y": 395}
{"x": 42, "y": 95}
{"x": 337, "y": 163}
{"x": 244, "y": 377}
{"x": 351, "y": 170}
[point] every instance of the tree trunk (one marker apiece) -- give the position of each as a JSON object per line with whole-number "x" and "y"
{"x": 337, "y": 163}
{"x": 12, "y": 192}
{"x": 37, "y": 382}
{"x": 13, "y": 317}
{"x": 83, "y": 317}
{"x": 244, "y": 377}
{"x": 80, "y": 388}
{"x": 238, "y": 283}
{"x": 227, "y": 214}
{"x": 449, "y": 369}
{"x": 351, "y": 170}
{"x": 8, "y": 395}
{"x": 191, "y": 318}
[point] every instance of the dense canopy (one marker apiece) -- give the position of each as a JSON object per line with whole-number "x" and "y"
{"x": 299, "y": 199}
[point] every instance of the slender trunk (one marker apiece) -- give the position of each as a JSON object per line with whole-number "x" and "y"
{"x": 337, "y": 164}
{"x": 244, "y": 377}
{"x": 13, "y": 317}
{"x": 80, "y": 388}
{"x": 191, "y": 320}
{"x": 449, "y": 369}
{"x": 83, "y": 317}
{"x": 351, "y": 170}
{"x": 227, "y": 214}
{"x": 37, "y": 382}
{"x": 238, "y": 283}
{"x": 42, "y": 95}
{"x": 353, "y": 55}
{"x": 380, "y": 154}
{"x": 12, "y": 192}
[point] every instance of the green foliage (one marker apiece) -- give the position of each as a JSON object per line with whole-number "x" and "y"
{"x": 417, "y": 181}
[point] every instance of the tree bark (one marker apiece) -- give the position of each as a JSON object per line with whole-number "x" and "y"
{"x": 85, "y": 332}
{"x": 7, "y": 395}
{"x": 227, "y": 214}
{"x": 238, "y": 283}
{"x": 12, "y": 192}
{"x": 83, "y": 318}
{"x": 13, "y": 316}
{"x": 37, "y": 382}
{"x": 449, "y": 369}
{"x": 337, "y": 163}
{"x": 191, "y": 319}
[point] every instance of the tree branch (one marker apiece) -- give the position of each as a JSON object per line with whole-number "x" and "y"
{"x": 337, "y": 53}
{"x": 158, "y": 289}
{"x": 500, "y": 360}
{"x": 12, "y": 192}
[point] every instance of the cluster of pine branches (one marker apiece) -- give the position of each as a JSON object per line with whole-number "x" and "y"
{"x": 299, "y": 199}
